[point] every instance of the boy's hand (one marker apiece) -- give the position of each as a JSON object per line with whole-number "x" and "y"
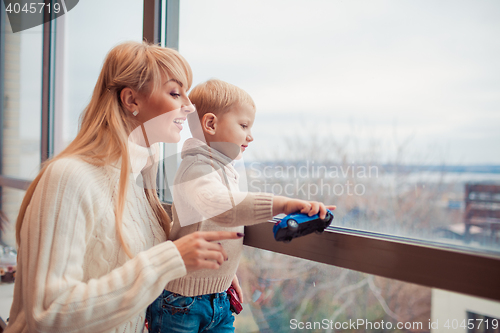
{"x": 289, "y": 206}
{"x": 236, "y": 286}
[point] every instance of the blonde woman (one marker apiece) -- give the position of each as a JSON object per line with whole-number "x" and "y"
{"x": 92, "y": 249}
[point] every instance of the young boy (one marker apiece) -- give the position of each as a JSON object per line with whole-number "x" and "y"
{"x": 207, "y": 197}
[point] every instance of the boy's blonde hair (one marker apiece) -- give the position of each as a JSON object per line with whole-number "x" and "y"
{"x": 105, "y": 124}
{"x": 217, "y": 97}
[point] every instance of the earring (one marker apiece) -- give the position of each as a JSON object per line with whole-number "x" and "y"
{"x": 135, "y": 113}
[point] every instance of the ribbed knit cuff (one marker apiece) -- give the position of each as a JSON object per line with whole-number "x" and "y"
{"x": 167, "y": 261}
{"x": 263, "y": 207}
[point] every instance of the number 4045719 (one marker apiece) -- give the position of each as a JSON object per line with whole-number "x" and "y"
{"x": 32, "y": 8}
{"x": 472, "y": 324}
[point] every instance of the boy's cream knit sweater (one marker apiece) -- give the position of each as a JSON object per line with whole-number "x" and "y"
{"x": 73, "y": 275}
{"x": 201, "y": 198}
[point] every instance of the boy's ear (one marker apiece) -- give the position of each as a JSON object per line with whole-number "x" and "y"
{"x": 129, "y": 99}
{"x": 209, "y": 123}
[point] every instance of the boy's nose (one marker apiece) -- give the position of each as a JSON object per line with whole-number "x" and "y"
{"x": 249, "y": 138}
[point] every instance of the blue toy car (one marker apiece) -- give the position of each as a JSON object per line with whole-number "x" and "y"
{"x": 298, "y": 224}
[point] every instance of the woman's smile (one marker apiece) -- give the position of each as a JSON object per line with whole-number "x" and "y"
{"x": 179, "y": 121}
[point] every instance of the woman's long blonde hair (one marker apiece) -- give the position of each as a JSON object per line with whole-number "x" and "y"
{"x": 105, "y": 124}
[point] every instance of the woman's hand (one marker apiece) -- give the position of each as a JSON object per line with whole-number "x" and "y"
{"x": 199, "y": 252}
{"x": 236, "y": 285}
{"x": 288, "y": 206}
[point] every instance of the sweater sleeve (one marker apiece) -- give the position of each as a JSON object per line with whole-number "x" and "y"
{"x": 61, "y": 215}
{"x": 202, "y": 188}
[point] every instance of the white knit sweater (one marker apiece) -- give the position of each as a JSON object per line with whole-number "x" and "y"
{"x": 205, "y": 189}
{"x": 73, "y": 275}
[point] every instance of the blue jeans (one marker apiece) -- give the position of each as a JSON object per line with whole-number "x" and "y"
{"x": 176, "y": 313}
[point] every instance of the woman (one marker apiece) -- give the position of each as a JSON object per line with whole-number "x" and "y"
{"x": 92, "y": 251}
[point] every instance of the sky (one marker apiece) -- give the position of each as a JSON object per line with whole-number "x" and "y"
{"x": 388, "y": 72}
{"x": 380, "y": 73}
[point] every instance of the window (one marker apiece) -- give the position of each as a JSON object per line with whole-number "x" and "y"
{"x": 83, "y": 46}
{"x": 285, "y": 294}
{"x": 385, "y": 109}
{"x": 22, "y": 97}
{"x": 20, "y": 115}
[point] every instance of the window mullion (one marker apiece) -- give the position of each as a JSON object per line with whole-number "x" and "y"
{"x": 48, "y": 59}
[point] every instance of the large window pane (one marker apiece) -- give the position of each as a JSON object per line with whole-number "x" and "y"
{"x": 22, "y": 101}
{"x": 386, "y": 109}
{"x": 88, "y": 31}
{"x": 21, "y": 112}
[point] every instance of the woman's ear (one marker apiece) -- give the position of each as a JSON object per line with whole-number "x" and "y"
{"x": 209, "y": 123}
{"x": 129, "y": 99}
